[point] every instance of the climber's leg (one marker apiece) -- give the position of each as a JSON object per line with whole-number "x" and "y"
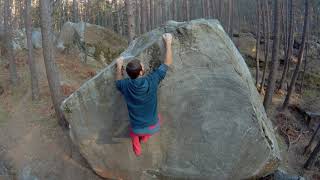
{"x": 135, "y": 144}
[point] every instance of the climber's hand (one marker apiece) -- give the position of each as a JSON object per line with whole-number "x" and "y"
{"x": 119, "y": 73}
{"x": 120, "y": 62}
{"x": 167, "y": 37}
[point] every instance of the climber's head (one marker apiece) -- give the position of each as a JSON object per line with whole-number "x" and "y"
{"x": 135, "y": 69}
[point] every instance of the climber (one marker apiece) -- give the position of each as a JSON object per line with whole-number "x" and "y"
{"x": 140, "y": 93}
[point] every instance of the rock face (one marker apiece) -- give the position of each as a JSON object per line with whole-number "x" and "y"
{"x": 94, "y": 42}
{"x": 214, "y": 125}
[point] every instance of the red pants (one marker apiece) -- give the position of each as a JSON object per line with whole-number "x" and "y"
{"x": 137, "y": 138}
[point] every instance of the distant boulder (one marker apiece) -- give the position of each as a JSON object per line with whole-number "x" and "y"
{"x": 94, "y": 42}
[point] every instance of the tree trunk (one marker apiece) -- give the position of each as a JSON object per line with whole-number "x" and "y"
{"x": 266, "y": 30}
{"x": 32, "y": 64}
{"x": 300, "y": 58}
{"x": 174, "y": 8}
{"x": 187, "y": 10}
{"x": 21, "y": 15}
{"x": 257, "y": 44}
{"x": 164, "y": 12}
{"x": 230, "y": 14}
{"x": 307, "y": 148}
{"x": 220, "y": 10}
{"x": 130, "y": 19}
{"x": 290, "y": 46}
{"x": 152, "y": 12}
{"x": 148, "y": 15}
{"x": 212, "y": 10}
{"x": 75, "y": 15}
{"x": 8, "y": 43}
{"x": 304, "y": 67}
{"x": 312, "y": 156}
{"x": 51, "y": 68}
{"x": 138, "y": 17}
{"x": 119, "y": 27}
{"x": 143, "y": 16}
{"x": 275, "y": 61}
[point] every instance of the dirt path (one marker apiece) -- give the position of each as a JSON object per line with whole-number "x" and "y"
{"x": 32, "y": 145}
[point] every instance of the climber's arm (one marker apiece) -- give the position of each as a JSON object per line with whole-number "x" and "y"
{"x": 119, "y": 72}
{"x": 168, "y": 41}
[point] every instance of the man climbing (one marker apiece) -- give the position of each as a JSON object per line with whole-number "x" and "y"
{"x": 140, "y": 93}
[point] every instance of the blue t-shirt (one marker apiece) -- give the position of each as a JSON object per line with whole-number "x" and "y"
{"x": 141, "y": 97}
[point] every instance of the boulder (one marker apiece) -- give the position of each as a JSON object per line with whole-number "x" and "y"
{"x": 94, "y": 41}
{"x": 214, "y": 124}
{"x": 246, "y": 43}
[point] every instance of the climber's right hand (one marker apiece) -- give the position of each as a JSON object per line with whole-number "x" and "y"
{"x": 167, "y": 37}
{"x": 120, "y": 62}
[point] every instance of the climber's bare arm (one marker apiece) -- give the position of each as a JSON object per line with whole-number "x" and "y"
{"x": 167, "y": 38}
{"x": 119, "y": 72}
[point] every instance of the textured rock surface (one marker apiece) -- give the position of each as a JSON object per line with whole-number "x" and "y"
{"x": 106, "y": 44}
{"x": 214, "y": 125}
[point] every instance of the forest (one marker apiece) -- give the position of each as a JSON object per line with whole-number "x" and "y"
{"x": 50, "y": 50}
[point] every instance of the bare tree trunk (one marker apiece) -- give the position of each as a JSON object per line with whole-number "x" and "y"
{"x": 8, "y": 43}
{"x": 312, "y": 156}
{"x": 75, "y": 11}
{"x": 300, "y": 58}
{"x": 138, "y": 17}
{"x": 204, "y": 13}
{"x": 174, "y": 9}
{"x": 48, "y": 54}
{"x": 230, "y": 13}
{"x": 21, "y": 14}
{"x": 290, "y": 46}
{"x": 158, "y": 15}
{"x": 143, "y": 16}
{"x": 257, "y": 44}
{"x": 187, "y": 10}
{"x": 220, "y": 10}
{"x": 152, "y": 12}
{"x": 304, "y": 67}
{"x": 208, "y": 6}
{"x": 130, "y": 18}
{"x": 32, "y": 64}
{"x": 266, "y": 26}
{"x": 119, "y": 27}
{"x": 148, "y": 15}
{"x": 275, "y": 61}
{"x": 164, "y": 12}
{"x": 307, "y": 148}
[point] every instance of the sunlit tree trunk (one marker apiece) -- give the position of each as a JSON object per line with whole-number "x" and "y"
{"x": 130, "y": 19}
{"x": 50, "y": 65}
{"x": 266, "y": 26}
{"x": 32, "y": 64}
{"x": 75, "y": 14}
{"x": 275, "y": 59}
{"x": 290, "y": 46}
{"x": 258, "y": 43}
{"x": 300, "y": 58}
{"x": 8, "y": 43}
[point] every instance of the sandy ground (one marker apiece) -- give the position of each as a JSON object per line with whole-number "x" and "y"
{"x": 32, "y": 145}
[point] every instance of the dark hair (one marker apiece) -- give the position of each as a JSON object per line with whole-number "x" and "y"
{"x": 133, "y": 69}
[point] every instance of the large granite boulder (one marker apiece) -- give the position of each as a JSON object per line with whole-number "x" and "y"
{"x": 94, "y": 42}
{"x": 214, "y": 125}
